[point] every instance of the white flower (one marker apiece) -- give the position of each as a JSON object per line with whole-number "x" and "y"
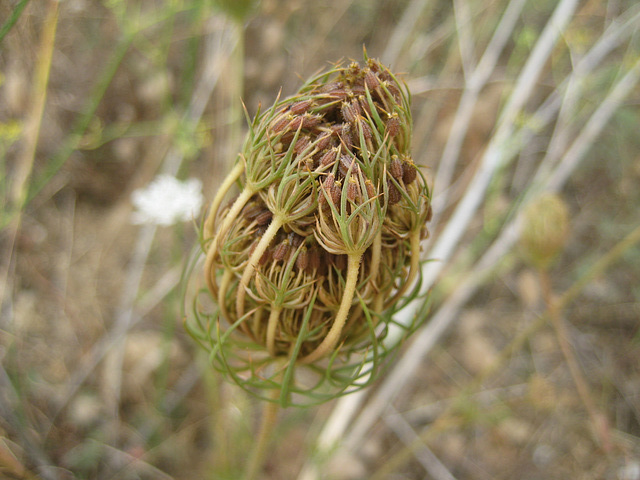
{"x": 167, "y": 200}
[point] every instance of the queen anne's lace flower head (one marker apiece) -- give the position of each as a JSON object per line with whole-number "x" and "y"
{"x": 320, "y": 244}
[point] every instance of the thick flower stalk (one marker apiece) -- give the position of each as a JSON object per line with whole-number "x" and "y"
{"x": 320, "y": 241}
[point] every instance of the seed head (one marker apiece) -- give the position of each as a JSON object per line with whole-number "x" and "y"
{"x": 309, "y": 261}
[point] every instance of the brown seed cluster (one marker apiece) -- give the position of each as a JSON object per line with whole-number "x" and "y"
{"x": 329, "y": 217}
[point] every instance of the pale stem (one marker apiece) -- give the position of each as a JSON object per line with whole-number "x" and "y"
{"x": 374, "y": 268}
{"x": 414, "y": 246}
{"x": 210, "y": 274}
{"x": 276, "y": 223}
{"x": 332, "y": 337}
{"x": 274, "y": 316}
{"x": 268, "y": 423}
{"x": 376, "y": 251}
{"x": 222, "y": 293}
{"x": 217, "y": 200}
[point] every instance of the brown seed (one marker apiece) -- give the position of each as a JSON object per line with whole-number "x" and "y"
{"x": 371, "y": 80}
{"x": 340, "y": 262}
{"x": 345, "y": 163}
{"x": 310, "y": 121}
{"x": 295, "y": 123}
{"x": 265, "y": 257}
{"x": 302, "y": 261}
{"x": 331, "y": 87}
{"x": 394, "y": 194}
{"x": 364, "y": 105}
{"x": 410, "y": 172}
{"x": 371, "y": 190}
{"x": 394, "y": 91}
{"x": 282, "y": 250}
{"x": 393, "y": 125}
{"x": 263, "y": 218}
{"x": 329, "y": 157}
{"x": 251, "y": 210}
{"x": 339, "y": 94}
{"x": 294, "y": 239}
{"x": 348, "y": 112}
{"x": 345, "y": 136}
{"x": 314, "y": 260}
{"x": 286, "y": 139}
{"x": 323, "y": 141}
{"x": 395, "y": 168}
{"x": 301, "y": 144}
{"x": 258, "y": 213}
{"x": 367, "y": 133}
{"x": 327, "y": 187}
{"x": 373, "y": 64}
{"x": 429, "y": 213}
{"x": 336, "y": 193}
{"x": 301, "y": 107}
{"x": 353, "y": 190}
{"x": 280, "y": 123}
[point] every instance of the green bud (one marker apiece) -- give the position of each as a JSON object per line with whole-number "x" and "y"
{"x": 545, "y": 230}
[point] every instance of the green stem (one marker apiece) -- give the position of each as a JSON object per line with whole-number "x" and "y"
{"x": 222, "y": 293}
{"x": 267, "y": 425}
{"x": 13, "y": 18}
{"x": 72, "y": 141}
{"x": 332, "y": 337}
{"x": 272, "y": 325}
{"x": 599, "y": 421}
{"x": 276, "y": 223}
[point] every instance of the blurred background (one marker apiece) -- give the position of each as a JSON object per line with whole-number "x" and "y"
{"x": 526, "y": 118}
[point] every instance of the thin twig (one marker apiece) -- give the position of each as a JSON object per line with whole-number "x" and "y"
{"x": 599, "y": 422}
{"x": 497, "y": 151}
{"x": 422, "y": 453}
{"x": 404, "y": 29}
{"x": 440, "y": 322}
{"x": 464, "y": 29}
{"x": 24, "y": 165}
{"x": 461, "y": 121}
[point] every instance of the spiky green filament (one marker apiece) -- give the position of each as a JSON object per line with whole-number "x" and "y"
{"x": 332, "y": 337}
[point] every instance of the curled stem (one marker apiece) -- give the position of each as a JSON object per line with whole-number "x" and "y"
{"x": 217, "y": 200}
{"x": 414, "y": 266}
{"x": 274, "y": 226}
{"x": 212, "y": 251}
{"x": 272, "y": 325}
{"x": 332, "y": 337}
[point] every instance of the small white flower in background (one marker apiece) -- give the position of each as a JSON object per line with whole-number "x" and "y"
{"x": 167, "y": 200}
